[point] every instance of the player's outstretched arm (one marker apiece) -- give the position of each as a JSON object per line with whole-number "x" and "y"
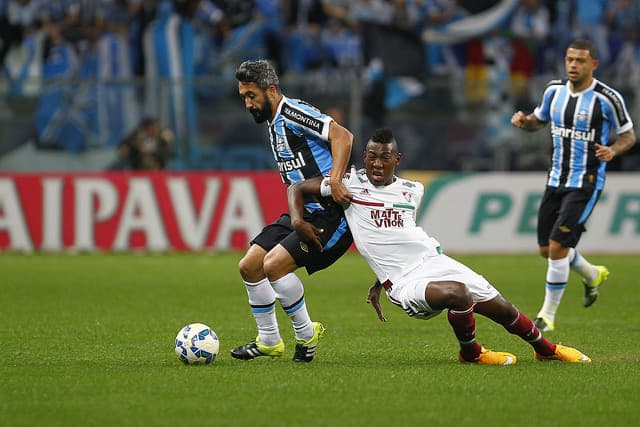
{"x": 341, "y": 141}
{"x": 295, "y": 199}
{"x": 373, "y": 298}
{"x": 527, "y": 122}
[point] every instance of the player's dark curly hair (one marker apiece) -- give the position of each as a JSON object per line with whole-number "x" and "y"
{"x": 259, "y": 72}
{"x": 383, "y": 136}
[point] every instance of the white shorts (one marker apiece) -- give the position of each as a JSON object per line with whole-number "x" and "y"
{"x": 410, "y": 294}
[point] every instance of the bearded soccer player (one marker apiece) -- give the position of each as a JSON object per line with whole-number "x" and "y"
{"x": 583, "y": 112}
{"x": 305, "y": 143}
{"x": 410, "y": 265}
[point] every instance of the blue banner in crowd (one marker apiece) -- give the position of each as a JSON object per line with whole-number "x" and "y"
{"x": 471, "y": 26}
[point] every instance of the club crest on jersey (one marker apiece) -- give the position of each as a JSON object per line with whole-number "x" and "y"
{"x": 304, "y": 247}
{"x": 364, "y": 191}
{"x": 407, "y": 196}
{"x": 583, "y": 115}
{"x": 281, "y": 144}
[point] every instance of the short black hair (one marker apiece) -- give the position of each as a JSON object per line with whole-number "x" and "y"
{"x": 584, "y": 44}
{"x": 260, "y": 72}
{"x": 383, "y": 136}
{"x": 148, "y": 121}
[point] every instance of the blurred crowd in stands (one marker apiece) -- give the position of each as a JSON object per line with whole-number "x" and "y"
{"x": 304, "y": 35}
{"x": 119, "y": 40}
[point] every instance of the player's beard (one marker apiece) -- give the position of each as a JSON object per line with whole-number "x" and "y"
{"x": 262, "y": 115}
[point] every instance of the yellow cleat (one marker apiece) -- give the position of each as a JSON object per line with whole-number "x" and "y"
{"x": 255, "y": 349}
{"x": 490, "y": 357}
{"x": 544, "y": 324}
{"x": 591, "y": 288}
{"x": 305, "y": 350}
{"x": 565, "y": 354}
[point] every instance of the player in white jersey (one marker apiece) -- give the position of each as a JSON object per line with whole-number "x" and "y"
{"x": 410, "y": 265}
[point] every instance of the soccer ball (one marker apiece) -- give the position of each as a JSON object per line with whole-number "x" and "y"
{"x": 197, "y": 344}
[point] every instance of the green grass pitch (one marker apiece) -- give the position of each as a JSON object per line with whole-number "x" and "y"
{"x": 88, "y": 340}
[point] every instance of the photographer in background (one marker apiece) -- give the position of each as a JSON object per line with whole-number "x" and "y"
{"x": 148, "y": 147}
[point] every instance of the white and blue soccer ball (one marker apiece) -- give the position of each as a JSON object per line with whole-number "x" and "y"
{"x": 197, "y": 344}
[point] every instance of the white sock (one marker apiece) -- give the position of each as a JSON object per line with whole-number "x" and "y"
{"x": 580, "y": 265}
{"x": 557, "y": 277}
{"x": 262, "y": 300}
{"x": 290, "y": 293}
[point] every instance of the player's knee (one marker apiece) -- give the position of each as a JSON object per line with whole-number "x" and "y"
{"x": 455, "y": 295}
{"x": 497, "y": 309}
{"x": 250, "y": 270}
{"x": 273, "y": 267}
{"x": 503, "y": 310}
{"x": 460, "y": 296}
{"x": 277, "y": 263}
{"x": 557, "y": 250}
{"x": 544, "y": 251}
{"x": 270, "y": 267}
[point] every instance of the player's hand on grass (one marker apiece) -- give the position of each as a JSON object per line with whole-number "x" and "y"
{"x": 373, "y": 298}
{"x": 309, "y": 233}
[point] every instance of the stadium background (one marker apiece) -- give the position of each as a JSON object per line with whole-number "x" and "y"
{"x": 445, "y": 75}
{"x": 100, "y": 267}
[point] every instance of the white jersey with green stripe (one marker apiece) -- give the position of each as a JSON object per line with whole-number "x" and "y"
{"x": 382, "y": 220}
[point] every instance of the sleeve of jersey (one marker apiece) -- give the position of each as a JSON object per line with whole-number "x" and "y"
{"x": 621, "y": 119}
{"x": 543, "y": 111}
{"x": 418, "y": 198}
{"x": 309, "y": 120}
{"x": 325, "y": 186}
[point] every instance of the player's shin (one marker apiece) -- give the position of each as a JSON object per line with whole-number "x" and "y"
{"x": 262, "y": 300}
{"x": 557, "y": 277}
{"x": 580, "y": 265}
{"x": 523, "y": 327}
{"x": 464, "y": 326}
{"x": 290, "y": 292}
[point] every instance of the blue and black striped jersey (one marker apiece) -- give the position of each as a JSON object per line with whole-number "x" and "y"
{"x": 578, "y": 122}
{"x": 299, "y": 136}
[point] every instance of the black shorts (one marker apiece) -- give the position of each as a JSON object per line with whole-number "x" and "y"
{"x": 336, "y": 238}
{"x": 563, "y": 213}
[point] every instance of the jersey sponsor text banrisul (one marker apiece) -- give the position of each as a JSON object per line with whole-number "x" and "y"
{"x": 573, "y": 133}
{"x": 289, "y": 165}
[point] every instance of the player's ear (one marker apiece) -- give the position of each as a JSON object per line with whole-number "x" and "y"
{"x": 272, "y": 91}
{"x": 398, "y": 158}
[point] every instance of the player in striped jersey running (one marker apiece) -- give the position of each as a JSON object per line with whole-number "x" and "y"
{"x": 584, "y": 112}
{"x": 410, "y": 265}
